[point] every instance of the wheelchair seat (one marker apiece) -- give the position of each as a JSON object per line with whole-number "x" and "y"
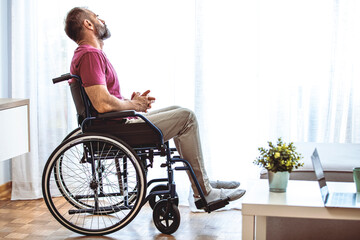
{"x": 95, "y": 181}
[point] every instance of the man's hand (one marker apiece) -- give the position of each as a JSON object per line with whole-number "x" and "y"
{"x": 104, "y": 102}
{"x": 142, "y": 101}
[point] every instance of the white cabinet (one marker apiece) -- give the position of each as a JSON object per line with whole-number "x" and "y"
{"x": 14, "y": 127}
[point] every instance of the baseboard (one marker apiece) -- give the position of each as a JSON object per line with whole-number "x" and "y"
{"x": 5, "y": 191}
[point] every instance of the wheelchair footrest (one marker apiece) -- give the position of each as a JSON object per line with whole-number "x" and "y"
{"x": 211, "y": 206}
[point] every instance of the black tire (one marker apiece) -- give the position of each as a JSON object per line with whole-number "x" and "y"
{"x": 155, "y": 198}
{"x": 90, "y": 192}
{"x": 166, "y": 217}
{"x": 73, "y": 133}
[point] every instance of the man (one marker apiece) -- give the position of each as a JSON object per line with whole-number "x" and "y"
{"x": 102, "y": 86}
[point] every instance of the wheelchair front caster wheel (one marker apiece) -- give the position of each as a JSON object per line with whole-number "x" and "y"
{"x": 166, "y": 216}
{"x": 156, "y": 198}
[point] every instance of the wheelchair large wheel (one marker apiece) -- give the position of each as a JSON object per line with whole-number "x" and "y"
{"x": 94, "y": 184}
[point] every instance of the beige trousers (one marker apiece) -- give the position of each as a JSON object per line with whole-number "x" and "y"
{"x": 181, "y": 125}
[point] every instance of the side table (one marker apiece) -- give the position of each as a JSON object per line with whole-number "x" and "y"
{"x": 301, "y": 200}
{"x": 14, "y": 127}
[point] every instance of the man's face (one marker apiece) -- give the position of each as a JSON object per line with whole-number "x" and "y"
{"x": 101, "y": 30}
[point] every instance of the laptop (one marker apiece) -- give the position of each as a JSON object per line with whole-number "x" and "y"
{"x": 333, "y": 199}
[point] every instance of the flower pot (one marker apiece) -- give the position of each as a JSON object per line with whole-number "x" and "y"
{"x": 278, "y": 181}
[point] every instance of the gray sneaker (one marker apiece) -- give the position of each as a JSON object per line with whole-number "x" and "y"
{"x": 224, "y": 184}
{"x": 234, "y": 194}
{"x": 231, "y": 194}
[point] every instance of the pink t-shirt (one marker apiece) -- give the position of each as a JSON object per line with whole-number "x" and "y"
{"x": 94, "y": 68}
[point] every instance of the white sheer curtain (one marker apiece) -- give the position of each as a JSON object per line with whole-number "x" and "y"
{"x": 276, "y": 69}
{"x": 38, "y": 54}
{"x": 252, "y": 71}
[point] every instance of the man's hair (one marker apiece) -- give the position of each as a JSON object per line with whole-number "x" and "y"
{"x": 74, "y": 21}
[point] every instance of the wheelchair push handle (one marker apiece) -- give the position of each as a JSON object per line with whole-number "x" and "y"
{"x": 64, "y": 77}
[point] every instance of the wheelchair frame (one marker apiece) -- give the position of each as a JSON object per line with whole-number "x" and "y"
{"x": 82, "y": 142}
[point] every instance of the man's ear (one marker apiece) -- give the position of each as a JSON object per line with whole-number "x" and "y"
{"x": 88, "y": 24}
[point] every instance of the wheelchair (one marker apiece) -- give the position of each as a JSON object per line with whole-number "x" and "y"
{"x": 95, "y": 181}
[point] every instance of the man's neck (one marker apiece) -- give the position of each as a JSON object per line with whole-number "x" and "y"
{"x": 96, "y": 43}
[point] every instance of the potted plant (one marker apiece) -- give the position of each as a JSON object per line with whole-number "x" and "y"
{"x": 280, "y": 160}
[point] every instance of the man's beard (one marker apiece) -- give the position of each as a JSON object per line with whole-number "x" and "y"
{"x": 102, "y": 32}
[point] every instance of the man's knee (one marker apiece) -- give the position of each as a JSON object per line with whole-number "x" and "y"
{"x": 188, "y": 114}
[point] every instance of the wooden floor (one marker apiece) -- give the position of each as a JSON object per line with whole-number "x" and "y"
{"x": 32, "y": 220}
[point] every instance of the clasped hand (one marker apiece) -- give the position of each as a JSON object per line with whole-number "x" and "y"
{"x": 142, "y": 101}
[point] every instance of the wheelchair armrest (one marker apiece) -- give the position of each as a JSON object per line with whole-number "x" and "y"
{"x": 119, "y": 114}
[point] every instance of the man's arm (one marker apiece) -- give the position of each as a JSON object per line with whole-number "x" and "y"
{"x": 104, "y": 102}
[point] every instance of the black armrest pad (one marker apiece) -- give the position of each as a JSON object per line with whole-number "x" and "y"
{"x": 120, "y": 114}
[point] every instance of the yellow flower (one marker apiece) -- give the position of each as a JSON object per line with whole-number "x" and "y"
{"x": 277, "y": 155}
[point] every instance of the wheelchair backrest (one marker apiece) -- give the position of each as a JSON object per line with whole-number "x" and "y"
{"x": 78, "y": 101}
{"x": 82, "y": 102}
